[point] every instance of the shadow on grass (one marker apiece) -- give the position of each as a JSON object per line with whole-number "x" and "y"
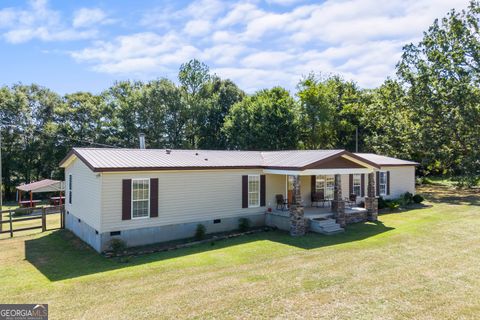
{"x": 443, "y": 194}
{"x": 60, "y": 255}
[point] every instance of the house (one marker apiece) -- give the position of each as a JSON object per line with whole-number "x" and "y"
{"x": 149, "y": 195}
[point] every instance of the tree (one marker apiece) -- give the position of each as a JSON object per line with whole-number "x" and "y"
{"x": 330, "y": 111}
{"x": 387, "y": 121}
{"x": 193, "y": 75}
{"x": 163, "y": 114}
{"x": 218, "y": 96}
{"x": 267, "y": 120}
{"x": 442, "y": 75}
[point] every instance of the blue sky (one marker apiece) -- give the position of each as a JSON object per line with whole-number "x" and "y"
{"x": 73, "y": 46}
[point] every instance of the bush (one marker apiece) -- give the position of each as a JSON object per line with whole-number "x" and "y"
{"x": 243, "y": 224}
{"x": 117, "y": 245}
{"x": 393, "y": 205}
{"x": 200, "y": 232}
{"x": 406, "y": 199}
{"x": 418, "y": 198}
{"x": 382, "y": 203}
{"x": 22, "y": 212}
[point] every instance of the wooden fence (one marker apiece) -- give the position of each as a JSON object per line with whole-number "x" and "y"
{"x": 28, "y": 214}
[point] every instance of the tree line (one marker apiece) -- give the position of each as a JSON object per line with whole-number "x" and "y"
{"x": 430, "y": 112}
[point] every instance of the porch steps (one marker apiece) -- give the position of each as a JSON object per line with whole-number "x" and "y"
{"x": 326, "y": 226}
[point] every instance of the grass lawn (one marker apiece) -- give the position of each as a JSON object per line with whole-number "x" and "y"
{"x": 422, "y": 263}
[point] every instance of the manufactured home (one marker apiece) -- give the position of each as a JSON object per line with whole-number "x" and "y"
{"x": 145, "y": 196}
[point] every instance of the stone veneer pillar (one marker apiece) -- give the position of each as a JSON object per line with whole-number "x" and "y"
{"x": 338, "y": 204}
{"x": 371, "y": 202}
{"x": 297, "y": 220}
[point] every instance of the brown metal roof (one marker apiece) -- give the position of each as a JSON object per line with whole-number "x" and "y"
{"x": 104, "y": 159}
{"x": 386, "y": 161}
{"x": 46, "y": 185}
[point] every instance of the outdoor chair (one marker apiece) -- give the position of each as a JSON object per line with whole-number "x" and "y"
{"x": 352, "y": 200}
{"x": 319, "y": 198}
{"x": 281, "y": 203}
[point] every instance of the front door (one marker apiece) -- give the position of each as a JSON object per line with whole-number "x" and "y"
{"x": 290, "y": 189}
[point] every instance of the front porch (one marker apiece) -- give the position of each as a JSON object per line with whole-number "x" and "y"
{"x": 324, "y": 196}
{"x": 320, "y": 213}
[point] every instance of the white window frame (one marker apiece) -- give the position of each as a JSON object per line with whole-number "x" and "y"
{"x": 132, "y": 200}
{"x": 357, "y": 184}
{"x": 380, "y": 184}
{"x": 328, "y": 182}
{"x": 257, "y": 177}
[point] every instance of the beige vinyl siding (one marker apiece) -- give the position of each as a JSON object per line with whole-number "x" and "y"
{"x": 402, "y": 179}
{"x": 276, "y": 184}
{"x": 184, "y": 196}
{"x": 86, "y": 198}
{"x": 305, "y": 190}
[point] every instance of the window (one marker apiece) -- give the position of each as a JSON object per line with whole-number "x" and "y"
{"x": 357, "y": 185}
{"x": 382, "y": 183}
{"x": 327, "y": 184}
{"x": 253, "y": 191}
{"x": 140, "y": 198}
{"x": 70, "y": 189}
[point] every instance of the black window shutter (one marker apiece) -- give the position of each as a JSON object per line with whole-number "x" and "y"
{"x": 362, "y": 184}
{"x": 126, "y": 199}
{"x": 377, "y": 184}
{"x": 350, "y": 184}
{"x": 313, "y": 184}
{"x": 244, "y": 191}
{"x": 388, "y": 182}
{"x": 153, "y": 197}
{"x": 262, "y": 190}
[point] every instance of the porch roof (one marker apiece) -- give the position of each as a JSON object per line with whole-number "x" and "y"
{"x": 317, "y": 172}
{"x": 45, "y": 185}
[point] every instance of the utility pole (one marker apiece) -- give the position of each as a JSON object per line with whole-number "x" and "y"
{"x": 356, "y": 139}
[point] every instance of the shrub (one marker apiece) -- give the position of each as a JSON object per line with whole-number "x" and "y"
{"x": 243, "y": 224}
{"x": 382, "y": 203}
{"x": 117, "y": 245}
{"x": 393, "y": 205}
{"x": 406, "y": 199}
{"x": 418, "y": 198}
{"x": 200, "y": 232}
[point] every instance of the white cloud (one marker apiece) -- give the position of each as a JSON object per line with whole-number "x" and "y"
{"x": 259, "y": 47}
{"x": 87, "y": 17}
{"x": 197, "y": 27}
{"x": 138, "y": 53}
{"x": 38, "y": 21}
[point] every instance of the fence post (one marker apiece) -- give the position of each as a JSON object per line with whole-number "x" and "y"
{"x": 1, "y": 220}
{"x": 11, "y": 227}
{"x": 44, "y": 220}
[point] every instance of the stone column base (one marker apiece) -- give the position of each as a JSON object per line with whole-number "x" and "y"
{"x": 338, "y": 207}
{"x": 371, "y": 204}
{"x": 298, "y": 226}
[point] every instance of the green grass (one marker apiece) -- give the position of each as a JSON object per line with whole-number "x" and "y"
{"x": 420, "y": 263}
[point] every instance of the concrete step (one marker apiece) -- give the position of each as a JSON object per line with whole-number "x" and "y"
{"x": 332, "y": 228}
{"x": 328, "y": 226}
{"x": 334, "y": 232}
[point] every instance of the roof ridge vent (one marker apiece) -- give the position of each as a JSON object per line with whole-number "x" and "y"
{"x": 168, "y": 151}
{"x": 206, "y": 159}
